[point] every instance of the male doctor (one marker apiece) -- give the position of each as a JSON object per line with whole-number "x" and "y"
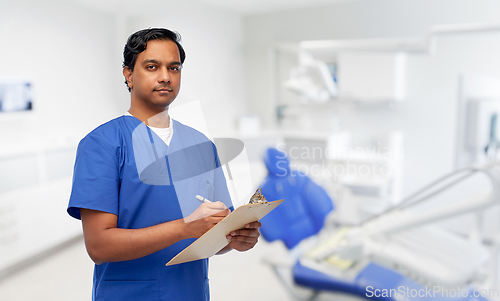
{"x": 135, "y": 186}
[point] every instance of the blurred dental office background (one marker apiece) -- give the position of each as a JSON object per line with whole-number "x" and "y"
{"x": 373, "y": 100}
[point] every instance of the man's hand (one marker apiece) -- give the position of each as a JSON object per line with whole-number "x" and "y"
{"x": 205, "y": 217}
{"x": 246, "y": 238}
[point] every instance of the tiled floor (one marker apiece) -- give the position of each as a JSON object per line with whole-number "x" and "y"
{"x": 67, "y": 275}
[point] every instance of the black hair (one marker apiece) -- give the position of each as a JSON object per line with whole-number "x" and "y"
{"x": 137, "y": 43}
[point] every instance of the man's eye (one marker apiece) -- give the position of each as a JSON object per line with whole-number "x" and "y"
{"x": 175, "y": 69}
{"x": 150, "y": 67}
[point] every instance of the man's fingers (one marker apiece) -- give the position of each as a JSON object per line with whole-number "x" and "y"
{"x": 246, "y": 238}
{"x": 253, "y": 225}
{"x": 241, "y": 245}
{"x": 216, "y": 205}
{"x": 222, "y": 213}
{"x": 216, "y": 209}
{"x": 249, "y": 233}
{"x": 242, "y": 239}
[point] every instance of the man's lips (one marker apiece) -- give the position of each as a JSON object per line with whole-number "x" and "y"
{"x": 163, "y": 90}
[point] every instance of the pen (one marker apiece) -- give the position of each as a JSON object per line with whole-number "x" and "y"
{"x": 202, "y": 199}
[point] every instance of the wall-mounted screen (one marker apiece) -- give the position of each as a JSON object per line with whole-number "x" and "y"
{"x": 15, "y": 95}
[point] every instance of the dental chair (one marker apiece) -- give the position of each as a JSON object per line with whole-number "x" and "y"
{"x": 307, "y": 204}
{"x": 299, "y": 223}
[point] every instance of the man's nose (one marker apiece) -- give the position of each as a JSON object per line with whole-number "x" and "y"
{"x": 164, "y": 76}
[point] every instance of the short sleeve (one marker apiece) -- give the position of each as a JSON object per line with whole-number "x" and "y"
{"x": 95, "y": 177}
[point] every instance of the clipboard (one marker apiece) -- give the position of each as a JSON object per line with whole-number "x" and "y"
{"x": 215, "y": 239}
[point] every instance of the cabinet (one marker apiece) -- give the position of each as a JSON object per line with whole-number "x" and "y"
{"x": 34, "y": 194}
{"x": 367, "y": 76}
{"x": 371, "y": 76}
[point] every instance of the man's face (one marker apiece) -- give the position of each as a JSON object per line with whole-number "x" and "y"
{"x": 156, "y": 79}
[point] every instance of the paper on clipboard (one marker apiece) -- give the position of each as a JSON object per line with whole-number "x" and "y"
{"x": 215, "y": 239}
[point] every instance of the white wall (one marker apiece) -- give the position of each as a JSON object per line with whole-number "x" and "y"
{"x": 73, "y": 54}
{"x": 213, "y": 70}
{"x": 66, "y": 49}
{"x": 428, "y": 116}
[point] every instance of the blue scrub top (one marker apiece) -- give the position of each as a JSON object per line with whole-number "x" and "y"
{"x": 124, "y": 168}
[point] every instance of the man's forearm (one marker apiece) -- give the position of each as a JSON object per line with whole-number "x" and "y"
{"x": 116, "y": 244}
{"x": 106, "y": 242}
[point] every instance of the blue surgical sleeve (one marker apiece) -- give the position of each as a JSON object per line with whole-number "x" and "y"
{"x": 96, "y": 176}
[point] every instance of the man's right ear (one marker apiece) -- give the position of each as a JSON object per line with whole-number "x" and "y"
{"x": 127, "y": 72}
